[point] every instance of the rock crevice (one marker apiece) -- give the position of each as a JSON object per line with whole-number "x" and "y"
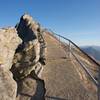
{"x": 22, "y": 58}
{"x": 29, "y": 60}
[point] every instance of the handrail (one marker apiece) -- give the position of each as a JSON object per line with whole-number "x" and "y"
{"x": 84, "y": 67}
{"x": 93, "y": 79}
{"x": 78, "y": 48}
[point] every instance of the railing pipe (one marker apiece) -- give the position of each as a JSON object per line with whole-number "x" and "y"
{"x": 97, "y": 83}
{"x": 84, "y": 67}
{"x": 77, "y": 48}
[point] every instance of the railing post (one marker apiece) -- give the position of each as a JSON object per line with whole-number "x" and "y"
{"x": 59, "y": 42}
{"x": 98, "y": 92}
{"x": 99, "y": 86}
{"x": 69, "y": 54}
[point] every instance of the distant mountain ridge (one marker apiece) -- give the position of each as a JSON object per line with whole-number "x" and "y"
{"x": 93, "y": 51}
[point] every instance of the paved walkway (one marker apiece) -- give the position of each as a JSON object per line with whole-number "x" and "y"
{"x": 62, "y": 81}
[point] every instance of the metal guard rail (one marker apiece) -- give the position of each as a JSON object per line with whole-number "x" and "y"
{"x": 83, "y": 66}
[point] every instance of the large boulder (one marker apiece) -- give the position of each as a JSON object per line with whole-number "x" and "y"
{"x": 27, "y": 63}
{"x": 27, "y": 55}
{"x": 31, "y": 89}
{"x": 9, "y": 41}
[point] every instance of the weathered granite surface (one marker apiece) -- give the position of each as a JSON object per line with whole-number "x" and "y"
{"x": 29, "y": 60}
{"x": 9, "y": 41}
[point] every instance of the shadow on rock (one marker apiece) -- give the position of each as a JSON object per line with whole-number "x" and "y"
{"x": 55, "y": 98}
{"x": 31, "y": 89}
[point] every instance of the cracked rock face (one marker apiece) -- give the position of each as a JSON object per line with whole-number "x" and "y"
{"x": 22, "y": 52}
{"x": 9, "y": 41}
{"x": 28, "y": 53}
{"x": 31, "y": 89}
{"x": 27, "y": 66}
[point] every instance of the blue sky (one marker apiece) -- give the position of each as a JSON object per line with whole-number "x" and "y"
{"x": 78, "y": 20}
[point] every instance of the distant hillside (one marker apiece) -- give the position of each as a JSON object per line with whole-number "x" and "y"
{"x": 93, "y": 51}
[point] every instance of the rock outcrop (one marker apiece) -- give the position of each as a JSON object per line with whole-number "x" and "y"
{"x": 22, "y": 57}
{"x": 30, "y": 54}
{"x": 29, "y": 59}
{"x": 9, "y": 41}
